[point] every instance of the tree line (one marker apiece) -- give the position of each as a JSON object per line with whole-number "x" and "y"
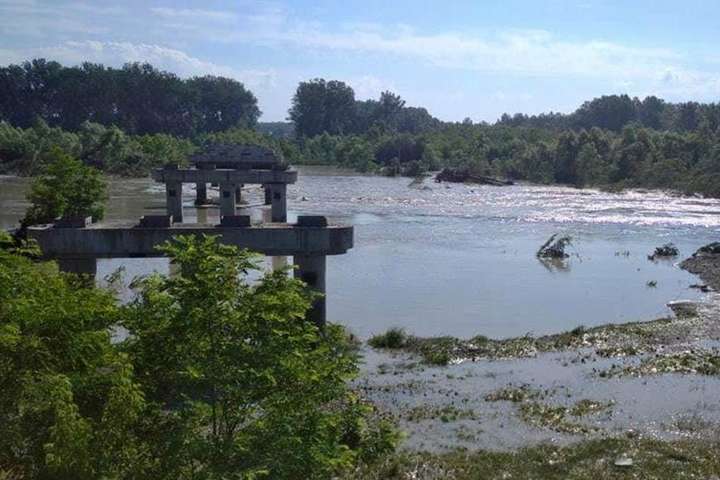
{"x": 137, "y": 98}
{"x": 612, "y": 141}
{"x": 614, "y": 112}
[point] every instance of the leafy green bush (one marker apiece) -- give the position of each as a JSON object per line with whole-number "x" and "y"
{"x": 217, "y": 377}
{"x": 69, "y": 407}
{"x": 66, "y": 187}
{"x": 394, "y": 338}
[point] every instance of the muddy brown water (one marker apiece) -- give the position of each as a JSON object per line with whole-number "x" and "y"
{"x": 453, "y": 259}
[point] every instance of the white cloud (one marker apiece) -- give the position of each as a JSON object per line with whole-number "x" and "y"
{"x": 195, "y": 14}
{"x": 369, "y": 86}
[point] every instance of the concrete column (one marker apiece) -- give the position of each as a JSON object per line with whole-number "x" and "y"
{"x": 174, "y": 269}
{"x": 227, "y": 199}
{"x": 238, "y": 194}
{"x": 202, "y": 215}
{"x": 173, "y": 197}
{"x": 278, "y": 263}
{"x": 201, "y": 194}
{"x": 268, "y": 194}
{"x": 86, "y": 266}
{"x": 311, "y": 270}
{"x": 279, "y": 202}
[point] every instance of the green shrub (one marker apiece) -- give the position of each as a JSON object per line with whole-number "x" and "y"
{"x": 394, "y": 338}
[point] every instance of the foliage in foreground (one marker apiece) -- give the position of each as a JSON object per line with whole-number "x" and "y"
{"x": 217, "y": 378}
{"x": 650, "y": 459}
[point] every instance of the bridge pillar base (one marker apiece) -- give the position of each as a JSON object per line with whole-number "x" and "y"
{"x": 311, "y": 270}
{"x": 80, "y": 266}
{"x": 227, "y": 199}
{"x": 279, "y": 202}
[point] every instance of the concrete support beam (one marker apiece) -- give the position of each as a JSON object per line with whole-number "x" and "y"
{"x": 239, "y": 177}
{"x": 279, "y": 202}
{"x": 173, "y": 198}
{"x": 268, "y": 194}
{"x": 86, "y": 266}
{"x": 311, "y": 270}
{"x": 201, "y": 194}
{"x": 227, "y": 199}
{"x": 133, "y": 241}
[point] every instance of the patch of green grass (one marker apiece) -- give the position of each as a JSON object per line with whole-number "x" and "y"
{"x": 519, "y": 394}
{"x": 558, "y": 418}
{"x": 444, "y": 414}
{"x": 588, "y": 407}
{"x": 593, "y": 459}
{"x": 394, "y": 338}
{"x": 552, "y": 417}
{"x": 633, "y": 338}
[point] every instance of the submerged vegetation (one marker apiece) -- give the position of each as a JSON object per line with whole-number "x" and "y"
{"x": 607, "y": 458}
{"x": 612, "y": 340}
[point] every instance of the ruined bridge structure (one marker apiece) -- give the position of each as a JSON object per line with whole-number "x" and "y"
{"x": 77, "y": 245}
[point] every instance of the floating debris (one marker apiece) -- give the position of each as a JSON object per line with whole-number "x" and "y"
{"x": 554, "y": 247}
{"x": 624, "y": 461}
{"x": 668, "y": 250}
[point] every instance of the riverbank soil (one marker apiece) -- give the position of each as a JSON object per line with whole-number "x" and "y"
{"x": 634, "y": 400}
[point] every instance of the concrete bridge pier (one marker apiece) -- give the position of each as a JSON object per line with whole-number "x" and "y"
{"x": 173, "y": 197}
{"x": 201, "y": 194}
{"x": 227, "y": 199}
{"x": 311, "y": 270}
{"x": 279, "y": 202}
{"x": 80, "y": 266}
{"x": 268, "y": 194}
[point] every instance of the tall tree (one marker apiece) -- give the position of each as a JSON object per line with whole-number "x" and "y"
{"x": 319, "y": 106}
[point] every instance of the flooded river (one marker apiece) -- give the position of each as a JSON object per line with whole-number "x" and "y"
{"x": 460, "y": 259}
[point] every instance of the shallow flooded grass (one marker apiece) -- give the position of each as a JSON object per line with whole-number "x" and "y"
{"x": 614, "y": 340}
{"x": 697, "y": 361}
{"x": 600, "y": 459}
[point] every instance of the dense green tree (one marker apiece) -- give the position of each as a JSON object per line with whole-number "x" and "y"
{"x": 67, "y": 188}
{"x": 222, "y": 103}
{"x": 591, "y": 167}
{"x": 611, "y": 112}
{"x": 264, "y": 392}
{"x": 217, "y": 377}
{"x": 566, "y": 157}
{"x": 650, "y": 112}
{"x": 137, "y": 98}
{"x": 320, "y": 106}
{"x": 69, "y": 405}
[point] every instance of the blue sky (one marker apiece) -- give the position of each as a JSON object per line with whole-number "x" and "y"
{"x": 459, "y": 59}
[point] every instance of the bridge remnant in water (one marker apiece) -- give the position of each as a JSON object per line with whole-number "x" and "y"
{"x": 230, "y": 167}
{"x": 309, "y": 241}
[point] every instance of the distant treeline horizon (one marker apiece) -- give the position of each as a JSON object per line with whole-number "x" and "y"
{"x": 141, "y": 99}
{"x": 128, "y": 120}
